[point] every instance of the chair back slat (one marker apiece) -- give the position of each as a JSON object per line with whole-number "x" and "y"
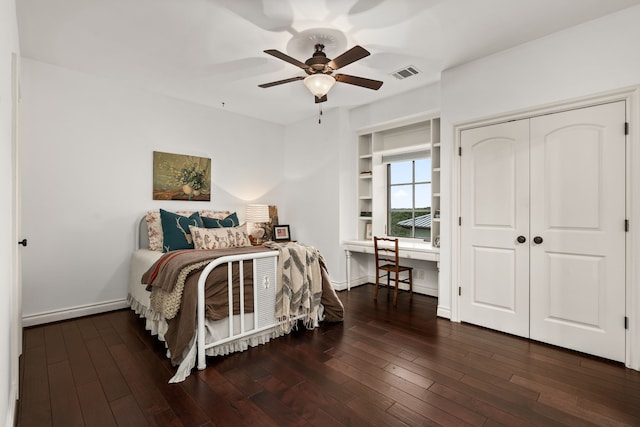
{"x": 386, "y": 251}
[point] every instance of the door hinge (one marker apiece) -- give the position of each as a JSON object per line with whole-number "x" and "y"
{"x": 459, "y": 290}
{"x": 459, "y": 151}
{"x": 459, "y": 220}
{"x": 626, "y": 128}
{"x": 626, "y": 225}
{"x": 626, "y": 322}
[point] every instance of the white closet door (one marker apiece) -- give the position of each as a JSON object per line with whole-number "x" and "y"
{"x": 578, "y": 209}
{"x": 495, "y": 211}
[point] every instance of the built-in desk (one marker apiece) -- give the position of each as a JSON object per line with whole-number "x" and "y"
{"x": 407, "y": 249}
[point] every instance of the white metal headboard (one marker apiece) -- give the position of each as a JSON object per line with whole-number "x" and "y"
{"x": 142, "y": 241}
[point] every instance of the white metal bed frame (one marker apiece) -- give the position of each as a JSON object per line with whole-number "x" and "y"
{"x": 265, "y": 265}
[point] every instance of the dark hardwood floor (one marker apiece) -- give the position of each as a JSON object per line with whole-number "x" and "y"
{"x": 382, "y": 366}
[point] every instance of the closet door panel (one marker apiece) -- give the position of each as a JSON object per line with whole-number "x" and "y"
{"x": 578, "y": 209}
{"x": 494, "y": 208}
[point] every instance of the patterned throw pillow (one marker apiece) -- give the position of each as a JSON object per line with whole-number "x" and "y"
{"x": 229, "y": 221}
{"x": 220, "y": 238}
{"x": 175, "y": 230}
{"x": 214, "y": 214}
{"x": 154, "y": 228}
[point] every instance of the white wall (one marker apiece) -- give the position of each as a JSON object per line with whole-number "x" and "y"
{"x": 87, "y": 177}
{"x": 598, "y": 56}
{"x": 313, "y": 158}
{"x": 421, "y": 100}
{"x": 9, "y": 325}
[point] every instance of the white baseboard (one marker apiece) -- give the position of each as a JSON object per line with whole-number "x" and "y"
{"x": 417, "y": 287}
{"x": 443, "y": 312}
{"x": 73, "y": 312}
{"x": 342, "y": 286}
{"x": 12, "y": 411}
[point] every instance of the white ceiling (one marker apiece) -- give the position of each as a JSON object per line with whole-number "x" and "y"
{"x": 211, "y": 51}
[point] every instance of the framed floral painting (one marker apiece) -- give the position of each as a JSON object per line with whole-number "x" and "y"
{"x": 181, "y": 177}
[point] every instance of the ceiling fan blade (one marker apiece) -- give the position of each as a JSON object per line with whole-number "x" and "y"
{"x": 352, "y": 55}
{"x": 279, "y": 82}
{"x": 286, "y": 58}
{"x": 319, "y": 100}
{"x": 358, "y": 81}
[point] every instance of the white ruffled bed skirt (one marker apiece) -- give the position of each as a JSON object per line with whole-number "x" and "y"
{"x": 215, "y": 330}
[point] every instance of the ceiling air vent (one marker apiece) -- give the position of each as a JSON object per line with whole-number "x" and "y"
{"x": 405, "y": 72}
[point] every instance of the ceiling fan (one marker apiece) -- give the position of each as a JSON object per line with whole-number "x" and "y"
{"x": 319, "y": 69}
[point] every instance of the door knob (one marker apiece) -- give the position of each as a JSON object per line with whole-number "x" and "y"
{"x": 521, "y": 239}
{"x": 23, "y": 242}
{"x": 537, "y": 240}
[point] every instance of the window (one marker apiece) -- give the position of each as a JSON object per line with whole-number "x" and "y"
{"x": 409, "y": 198}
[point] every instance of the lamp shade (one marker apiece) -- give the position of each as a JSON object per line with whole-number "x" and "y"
{"x": 319, "y": 84}
{"x": 258, "y": 213}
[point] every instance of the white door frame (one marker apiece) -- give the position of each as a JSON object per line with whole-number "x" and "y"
{"x": 631, "y": 95}
{"x": 16, "y": 276}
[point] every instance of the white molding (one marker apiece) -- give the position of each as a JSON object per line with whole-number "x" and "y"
{"x": 339, "y": 286}
{"x": 12, "y": 410}
{"x": 631, "y": 95}
{"x": 404, "y": 121}
{"x": 73, "y": 312}
{"x": 417, "y": 287}
{"x": 633, "y": 242}
{"x": 444, "y": 312}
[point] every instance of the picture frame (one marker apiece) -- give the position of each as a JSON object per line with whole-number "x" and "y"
{"x": 181, "y": 177}
{"x": 281, "y": 233}
{"x": 368, "y": 235}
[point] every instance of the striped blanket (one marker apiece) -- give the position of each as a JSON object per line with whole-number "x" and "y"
{"x": 299, "y": 291}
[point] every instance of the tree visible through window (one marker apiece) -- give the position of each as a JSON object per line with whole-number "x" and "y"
{"x": 409, "y": 198}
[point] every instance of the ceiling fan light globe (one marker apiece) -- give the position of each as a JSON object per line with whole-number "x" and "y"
{"x": 319, "y": 84}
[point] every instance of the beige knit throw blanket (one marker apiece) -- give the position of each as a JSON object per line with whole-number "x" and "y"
{"x": 299, "y": 289}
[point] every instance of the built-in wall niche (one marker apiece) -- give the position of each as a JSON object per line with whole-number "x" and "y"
{"x": 405, "y": 138}
{"x": 376, "y": 146}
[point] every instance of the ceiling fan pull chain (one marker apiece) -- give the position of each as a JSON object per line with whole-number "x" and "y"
{"x": 320, "y": 114}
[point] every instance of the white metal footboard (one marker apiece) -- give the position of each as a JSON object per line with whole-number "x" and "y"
{"x": 265, "y": 265}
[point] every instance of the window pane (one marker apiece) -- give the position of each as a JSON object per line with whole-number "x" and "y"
{"x": 401, "y": 172}
{"x": 423, "y": 233}
{"x": 397, "y": 227}
{"x": 423, "y": 196}
{"x": 401, "y": 197}
{"x": 423, "y": 170}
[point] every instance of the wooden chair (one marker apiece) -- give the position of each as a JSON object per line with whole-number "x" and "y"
{"x": 387, "y": 262}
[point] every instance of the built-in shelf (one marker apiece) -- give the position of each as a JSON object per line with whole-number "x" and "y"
{"x": 382, "y": 144}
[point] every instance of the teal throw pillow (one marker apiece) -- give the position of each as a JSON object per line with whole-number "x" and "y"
{"x": 175, "y": 230}
{"x": 229, "y": 221}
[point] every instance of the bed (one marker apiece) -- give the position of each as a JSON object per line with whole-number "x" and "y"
{"x": 185, "y": 294}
